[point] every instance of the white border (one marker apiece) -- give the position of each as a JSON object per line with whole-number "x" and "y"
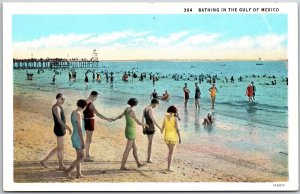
{"x": 144, "y": 8}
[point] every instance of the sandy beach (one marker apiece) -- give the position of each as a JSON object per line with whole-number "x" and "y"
{"x": 201, "y": 162}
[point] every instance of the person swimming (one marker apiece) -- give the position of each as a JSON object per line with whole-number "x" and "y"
{"x": 165, "y": 96}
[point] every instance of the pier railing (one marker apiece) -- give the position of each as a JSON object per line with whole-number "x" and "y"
{"x": 56, "y": 63}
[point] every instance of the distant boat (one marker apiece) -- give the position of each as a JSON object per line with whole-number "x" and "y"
{"x": 259, "y": 62}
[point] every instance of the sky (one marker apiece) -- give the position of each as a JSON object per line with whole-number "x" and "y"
{"x": 151, "y": 37}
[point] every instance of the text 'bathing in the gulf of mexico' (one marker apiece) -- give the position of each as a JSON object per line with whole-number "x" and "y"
{"x": 231, "y": 10}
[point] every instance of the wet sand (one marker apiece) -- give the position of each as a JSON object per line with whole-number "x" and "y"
{"x": 204, "y": 162}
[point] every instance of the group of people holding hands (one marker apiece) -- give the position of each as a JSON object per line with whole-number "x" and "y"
{"x": 83, "y": 124}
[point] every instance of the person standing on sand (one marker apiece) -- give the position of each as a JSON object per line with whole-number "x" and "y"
{"x": 60, "y": 127}
{"x": 150, "y": 121}
{"x": 89, "y": 122}
{"x": 77, "y": 138}
{"x": 186, "y": 95}
{"x": 197, "y": 96}
{"x": 213, "y": 93}
{"x": 172, "y": 134}
{"x": 130, "y": 132}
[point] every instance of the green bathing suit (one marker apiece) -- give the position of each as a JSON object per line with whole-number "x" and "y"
{"x": 130, "y": 126}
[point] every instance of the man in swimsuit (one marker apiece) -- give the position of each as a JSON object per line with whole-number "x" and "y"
{"x": 150, "y": 121}
{"x": 60, "y": 127}
{"x": 197, "y": 96}
{"x": 89, "y": 122}
{"x": 186, "y": 94}
{"x": 213, "y": 92}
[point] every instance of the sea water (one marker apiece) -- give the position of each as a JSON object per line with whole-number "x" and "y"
{"x": 260, "y": 126}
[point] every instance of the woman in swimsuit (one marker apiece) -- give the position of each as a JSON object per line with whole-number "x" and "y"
{"x": 149, "y": 131}
{"x": 213, "y": 93}
{"x": 130, "y": 132}
{"x": 172, "y": 134}
{"x": 77, "y": 138}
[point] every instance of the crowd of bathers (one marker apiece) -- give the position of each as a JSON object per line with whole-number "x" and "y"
{"x": 83, "y": 117}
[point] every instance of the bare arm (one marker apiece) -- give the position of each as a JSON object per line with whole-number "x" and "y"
{"x": 120, "y": 116}
{"x": 132, "y": 114}
{"x": 98, "y": 114}
{"x": 163, "y": 126}
{"x": 78, "y": 119}
{"x": 143, "y": 119}
{"x": 152, "y": 117}
{"x": 186, "y": 90}
{"x": 177, "y": 130}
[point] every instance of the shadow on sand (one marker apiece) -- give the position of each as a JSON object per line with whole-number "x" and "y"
{"x": 33, "y": 171}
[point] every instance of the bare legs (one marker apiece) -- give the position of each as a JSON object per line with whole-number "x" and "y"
{"x": 197, "y": 104}
{"x": 171, "y": 148}
{"x": 60, "y": 154}
{"x": 185, "y": 103}
{"x": 150, "y": 140}
{"x": 213, "y": 98}
{"x": 76, "y": 163}
{"x": 130, "y": 144}
{"x": 88, "y": 141}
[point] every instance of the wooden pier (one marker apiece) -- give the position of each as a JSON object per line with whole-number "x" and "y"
{"x": 56, "y": 63}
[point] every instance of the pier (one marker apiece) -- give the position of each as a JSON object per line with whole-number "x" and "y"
{"x": 56, "y": 63}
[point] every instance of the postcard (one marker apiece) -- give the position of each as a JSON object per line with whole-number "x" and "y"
{"x": 113, "y": 96}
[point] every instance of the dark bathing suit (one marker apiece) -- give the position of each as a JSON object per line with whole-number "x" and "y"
{"x": 197, "y": 93}
{"x": 59, "y": 130}
{"x": 151, "y": 129}
{"x": 89, "y": 121}
{"x": 186, "y": 95}
{"x": 154, "y": 95}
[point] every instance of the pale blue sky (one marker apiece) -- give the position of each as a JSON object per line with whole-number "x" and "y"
{"x": 194, "y": 31}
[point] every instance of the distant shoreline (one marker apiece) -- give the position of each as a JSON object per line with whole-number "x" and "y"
{"x": 190, "y": 60}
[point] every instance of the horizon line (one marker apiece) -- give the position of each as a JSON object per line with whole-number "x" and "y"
{"x": 162, "y": 59}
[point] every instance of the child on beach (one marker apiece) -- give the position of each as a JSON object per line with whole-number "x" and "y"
{"x": 130, "y": 132}
{"x": 77, "y": 138}
{"x": 172, "y": 134}
{"x": 208, "y": 120}
{"x": 149, "y": 131}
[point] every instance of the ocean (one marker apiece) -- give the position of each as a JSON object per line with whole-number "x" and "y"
{"x": 260, "y": 127}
